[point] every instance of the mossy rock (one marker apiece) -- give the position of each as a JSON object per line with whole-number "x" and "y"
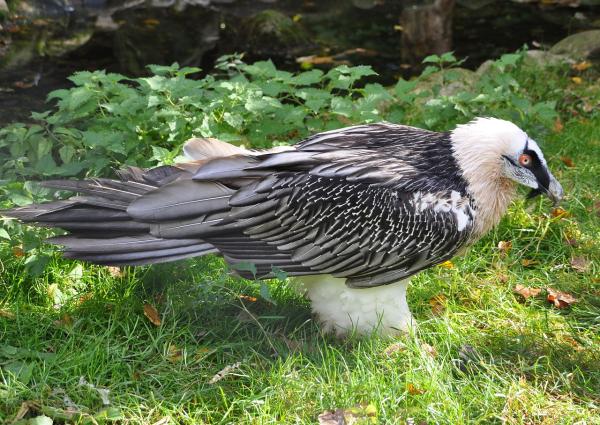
{"x": 580, "y": 46}
{"x": 273, "y": 28}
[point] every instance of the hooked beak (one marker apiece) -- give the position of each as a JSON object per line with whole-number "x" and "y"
{"x": 554, "y": 191}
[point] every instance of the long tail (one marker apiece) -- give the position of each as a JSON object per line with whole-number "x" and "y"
{"x": 102, "y": 231}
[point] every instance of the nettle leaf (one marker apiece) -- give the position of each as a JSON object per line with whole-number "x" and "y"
{"x": 342, "y": 106}
{"x": 313, "y": 76}
{"x": 314, "y": 99}
{"x": 165, "y": 70}
{"x": 156, "y": 82}
{"x": 261, "y": 69}
{"x": 234, "y": 120}
{"x": 78, "y": 97}
{"x": 432, "y": 59}
{"x": 261, "y": 104}
{"x": 81, "y": 77}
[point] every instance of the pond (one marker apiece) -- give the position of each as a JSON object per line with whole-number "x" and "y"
{"x": 42, "y": 42}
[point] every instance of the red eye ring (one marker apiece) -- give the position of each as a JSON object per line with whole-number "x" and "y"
{"x": 525, "y": 160}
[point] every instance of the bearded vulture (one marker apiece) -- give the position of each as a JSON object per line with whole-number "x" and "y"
{"x": 352, "y": 213}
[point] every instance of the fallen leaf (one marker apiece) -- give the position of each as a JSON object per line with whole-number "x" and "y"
{"x": 558, "y": 212}
{"x": 412, "y": 390}
{"x": 115, "y": 271}
{"x": 526, "y": 262}
{"x": 7, "y": 314}
{"x": 558, "y": 125}
{"x": 359, "y": 415}
{"x": 438, "y": 304}
{"x": 527, "y": 291}
{"x": 152, "y": 314}
{"x": 18, "y": 251}
{"x": 502, "y": 278}
{"x": 572, "y": 242}
{"x": 394, "y": 348}
{"x": 65, "y": 320}
{"x": 224, "y": 372}
{"x": 26, "y": 406}
{"x": 576, "y": 346}
{"x": 560, "y": 299}
{"x": 163, "y": 421}
{"x": 504, "y": 247}
{"x": 447, "y": 264}
{"x": 577, "y": 80}
{"x": 429, "y": 349}
{"x": 22, "y": 84}
{"x": 580, "y": 264}
{"x": 597, "y": 208}
{"x": 174, "y": 353}
{"x": 581, "y": 66}
{"x": 315, "y": 60}
{"x": 248, "y": 298}
{"x": 567, "y": 161}
{"x": 151, "y": 22}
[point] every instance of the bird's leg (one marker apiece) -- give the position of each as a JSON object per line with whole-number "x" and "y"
{"x": 342, "y": 309}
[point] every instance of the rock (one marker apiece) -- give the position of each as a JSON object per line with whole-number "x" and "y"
{"x": 544, "y": 58}
{"x": 484, "y": 67}
{"x": 580, "y": 46}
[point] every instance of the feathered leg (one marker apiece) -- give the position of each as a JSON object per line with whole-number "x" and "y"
{"x": 342, "y": 309}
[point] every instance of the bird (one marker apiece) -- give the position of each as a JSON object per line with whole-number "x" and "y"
{"x": 350, "y": 214}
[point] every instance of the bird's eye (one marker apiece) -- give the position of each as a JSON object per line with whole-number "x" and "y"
{"x": 525, "y": 160}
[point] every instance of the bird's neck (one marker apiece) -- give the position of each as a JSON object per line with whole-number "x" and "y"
{"x": 492, "y": 198}
{"x": 491, "y": 192}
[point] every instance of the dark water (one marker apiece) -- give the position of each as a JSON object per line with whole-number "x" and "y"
{"x": 42, "y": 45}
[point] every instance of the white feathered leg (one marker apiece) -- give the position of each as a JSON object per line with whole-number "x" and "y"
{"x": 342, "y": 309}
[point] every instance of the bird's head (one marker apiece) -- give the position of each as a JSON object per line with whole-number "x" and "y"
{"x": 499, "y": 148}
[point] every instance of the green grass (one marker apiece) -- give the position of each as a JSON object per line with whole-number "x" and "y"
{"x": 496, "y": 357}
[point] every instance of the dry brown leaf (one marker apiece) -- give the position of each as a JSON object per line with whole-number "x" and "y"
{"x": 429, "y": 349}
{"x": 152, "y": 314}
{"x": 558, "y": 212}
{"x": 115, "y": 271}
{"x": 163, "y": 421}
{"x": 315, "y": 60}
{"x": 6, "y": 314}
{"x": 568, "y": 161}
{"x": 248, "y": 298}
{"x": 174, "y": 353}
{"x": 362, "y": 414}
{"x": 558, "y": 125}
{"x": 577, "y": 80}
{"x": 504, "y": 246}
{"x": 581, "y": 66}
{"x": 65, "y": 320}
{"x": 576, "y": 346}
{"x": 412, "y": 390}
{"x": 597, "y": 208}
{"x": 572, "y": 242}
{"x": 438, "y": 304}
{"x": 18, "y": 251}
{"x": 560, "y": 299}
{"x": 526, "y": 291}
{"x": 502, "y": 278}
{"x": 526, "y": 262}
{"x": 224, "y": 372}
{"x": 447, "y": 264}
{"x": 394, "y": 348}
{"x": 580, "y": 264}
{"x": 151, "y": 22}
